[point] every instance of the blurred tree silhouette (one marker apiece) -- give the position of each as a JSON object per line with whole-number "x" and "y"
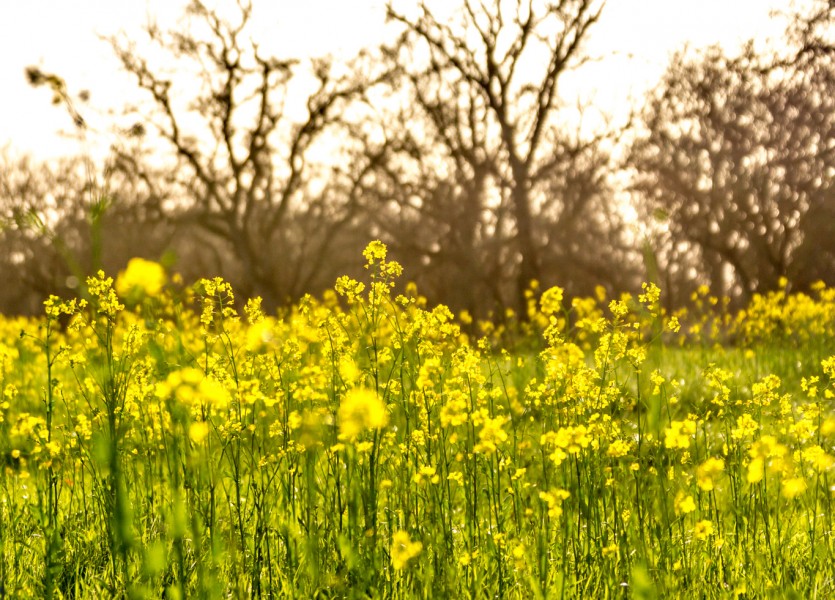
{"x": 31, "y": 197}
{"x": 63, "y": 221}
{"x": 242, "y": 172}
{"x": 811, "y": 34}
{"x": 454, "y": 144}
{"x": 482, "y": 182}
{"x": 736, "y": 161}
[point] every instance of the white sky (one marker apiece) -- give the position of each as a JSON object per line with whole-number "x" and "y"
{"x": 61, "y": 36}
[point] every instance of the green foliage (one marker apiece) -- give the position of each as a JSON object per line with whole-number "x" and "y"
{"x": 161, "y": 442}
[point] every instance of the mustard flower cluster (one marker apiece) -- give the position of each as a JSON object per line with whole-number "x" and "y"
{"x": 165, "y": 443}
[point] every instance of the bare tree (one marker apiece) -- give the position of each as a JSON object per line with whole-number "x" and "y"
{"x": 61, "y": 221}
{"x": 243, "y": 170}
{"x": 30, "y": 197}
{"x": 811, "y": 34}
{"x": 431, "y": 202}
{"x": 478, "y": 159}
{"x": 736, "y": 158}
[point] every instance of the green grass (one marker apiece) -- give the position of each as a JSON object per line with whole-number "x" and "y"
{"x": 363, "y": 446}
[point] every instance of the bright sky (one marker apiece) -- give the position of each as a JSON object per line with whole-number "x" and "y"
{"x": 62, "y": 37}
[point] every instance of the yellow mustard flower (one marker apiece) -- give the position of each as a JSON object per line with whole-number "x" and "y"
{"x": 703, "y": 530}
{"x": 618, "y": 449}
{"x": 198, "y": 431}
{"x": 141, "y": 276}
{"x": 684, "y": 503}
{"x": 551, "y": 300}
{"x": 375, "y": 251}
{"x": 491, "y": 435}
{"x": 708, "y": 472}
{"x": 360, "y": 409}
{"x": 403, "y": 549}
{"x": 793, "y": 487}
{"x": 678, "y": 434}
{"x": 553, "y": 500}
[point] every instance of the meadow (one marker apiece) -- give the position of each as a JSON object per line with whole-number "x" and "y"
{"x": 165, "y": 441}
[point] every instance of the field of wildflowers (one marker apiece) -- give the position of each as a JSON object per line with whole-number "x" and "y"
{"x": 158, "y": 443}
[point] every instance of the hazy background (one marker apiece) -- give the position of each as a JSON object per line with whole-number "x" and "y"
{"x": 636, "y": 37}
{"x": 679, "y": 142}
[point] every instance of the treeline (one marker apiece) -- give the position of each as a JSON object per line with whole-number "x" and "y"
{"x": 452, "y": 143}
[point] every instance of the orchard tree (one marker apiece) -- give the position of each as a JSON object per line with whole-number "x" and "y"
{"x": 240, "y": 159}
{"x": 811, "y": 33}
{"x": 479, "y": 168}
{"x": 736, "y": 160}
{"x": 60, "y": 221}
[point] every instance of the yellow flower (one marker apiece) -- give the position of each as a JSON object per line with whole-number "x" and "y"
{"x": 572, "y": 439}
{"x": 577, "y": 439}
{"x": 651, "y": 295}
{"x": 456, "y": 476}
{"x": 756, "y": 470}
{"x": 259, "y": 334}
{"x": 363, "y": 447}
{"x": 491, "y": 435}
{"x": 765, "y": 452}
{"x": 684, "y": 504}
{"x": 213, "y": 393}
{"x": 551, "y": 301}
{"x": 348, "y": 370}
{"x": 703, "y": 530}
{"x": 180, "y": 384}
{"x": 403, "y": 549}
{"x": 360, "y": 409}
{"x": 100, "y": 288}
{"x": 426, "y": 472}
{"x": 554, "y": 500}
{"x": 678, "y": 434}
{"x": 619, "y": 308}
{"x": 818, "y": 458}
{"x": 745, "y": 426}
{"x": 793, "y": 487}
{"x": 198, "y": 431}
{"x": 350, "y": 288}
{"x": 54, "y": 448}
{"x": 141, "y": 276}
{"x": 618, "y": 448}
{"x": 375, "y": 251}
{"x": 294, "y": 420}
{"x": 707, "y": 473}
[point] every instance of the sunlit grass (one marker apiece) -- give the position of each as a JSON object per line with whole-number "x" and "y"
{"x": 157, "y": 443}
